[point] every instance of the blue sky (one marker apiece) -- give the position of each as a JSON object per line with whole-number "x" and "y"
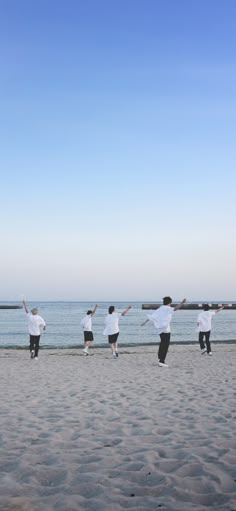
{"x": 117, "y": 128}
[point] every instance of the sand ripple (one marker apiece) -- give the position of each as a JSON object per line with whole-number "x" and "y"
{"x": 92, "y": 434}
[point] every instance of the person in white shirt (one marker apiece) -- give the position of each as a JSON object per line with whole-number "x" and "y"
{"x": 34, "y": 323}
{"x": 112, "y": 328}
{"x": 204, "y": 326}
{"x": 86, "y": 324}
{"x": 161, "y": 319}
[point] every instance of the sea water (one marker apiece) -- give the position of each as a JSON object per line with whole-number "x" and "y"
{"x": 64, "y": 330}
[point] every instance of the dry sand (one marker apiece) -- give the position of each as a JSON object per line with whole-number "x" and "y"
{"x": 94, "y": 434}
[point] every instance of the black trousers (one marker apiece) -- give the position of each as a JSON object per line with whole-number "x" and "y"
{"x": 207, "y": 339}
{"x": 34, "y": 344}
{"x": 163, "y": 346}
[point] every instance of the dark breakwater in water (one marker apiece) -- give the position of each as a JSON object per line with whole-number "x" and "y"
{"x": 192, "y": 306}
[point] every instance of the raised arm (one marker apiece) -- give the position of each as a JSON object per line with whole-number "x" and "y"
{"x": 220, "y": 308}
{"x": 94, "y": 310}
{"x": 126, "y": 310}
{"x": 25, "y": 306}
{"x": 177, "y": 307}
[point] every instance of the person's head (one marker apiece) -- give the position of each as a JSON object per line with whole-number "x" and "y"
{"x": 206, "y": 307}
{"x": 34, "y": 311}
{"x": 167, "y": 300}
{"x": 89, "y": 312}
{"x": 111, "y": 309}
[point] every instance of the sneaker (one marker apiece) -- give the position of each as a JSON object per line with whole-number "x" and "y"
{"x": 85, "y": 351}
{"x": 113, "y": 355}
{"x": 162, "y": 364}
{"x": 203, "y": 351}
{"x": 32, "y": 354}
{"x": 117, "y": 354}
{"x": 35, "y": 358}
{"x": 210, "y": 353}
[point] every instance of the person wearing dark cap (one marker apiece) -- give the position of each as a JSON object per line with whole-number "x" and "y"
{"x": 204, "y": 327}
{"x": 86, "y": 324}
{"x": 34, "y": 323}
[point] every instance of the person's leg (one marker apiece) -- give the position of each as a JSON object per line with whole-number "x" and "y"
{"x": 31, "y": 346}
{"x": 201, "y": 340}
{"x": 116, "y": 344}
{"x": 160, "y": 348}
{"x": 111, "y": 342}
{"x": 32, "y": 353}
{"x": 88, "y": 340}
{"x": 116, "y": 349}
{"x": 112, "y": 339}
{"x": 208, "y": 344}
{"x": 163, "y": 347}
{"x": 36, "y": 344}
{"x": 113, "y": 348}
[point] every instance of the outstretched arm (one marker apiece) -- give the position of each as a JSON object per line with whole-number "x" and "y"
{"x": 94, "y": 310}
{"x": 220, "y": 308}
{"x": 126, "y": 310}
{"x": 25, "y": 306}
{"x": 144, "y": 323}
{"x": 180, "y": 304}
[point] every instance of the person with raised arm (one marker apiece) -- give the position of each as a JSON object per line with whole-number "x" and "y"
{"x": 86, "y": 324}
{"x": 204, "y": 326}
{"x": 34, "y": 323}
{"x": 112, "y": 328}
{"x": 161, "y": 319}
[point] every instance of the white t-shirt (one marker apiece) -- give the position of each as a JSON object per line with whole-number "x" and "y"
{"x": 204, "y": 320}
{"x": 34, "y": 323}
{"x": 112, "y": 323}
{"x": 161, "y": 318}
{"x": 86, "y": 323}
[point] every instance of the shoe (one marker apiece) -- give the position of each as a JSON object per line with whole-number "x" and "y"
{"x": 117, "y": 354}
{"x": 35, "y": 358}
{"x": 85, "y": 351}
{"x": 203, "y": 351}
{"x": 210, "y": 353}
{"x": 162, "y": 364}
{"x": 113, "y": 355}
{"x": 32, "y": 354}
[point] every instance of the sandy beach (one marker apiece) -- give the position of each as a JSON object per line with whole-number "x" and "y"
{"x": 94, "y": 434}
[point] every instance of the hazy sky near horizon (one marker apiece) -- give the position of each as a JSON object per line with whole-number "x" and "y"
{"x": 117, "y": 128}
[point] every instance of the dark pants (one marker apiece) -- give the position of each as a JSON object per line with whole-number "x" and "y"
{"x": 207, "y": 339}
{"x": 163, "y": 346}
{"x": 34, "y": 344}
